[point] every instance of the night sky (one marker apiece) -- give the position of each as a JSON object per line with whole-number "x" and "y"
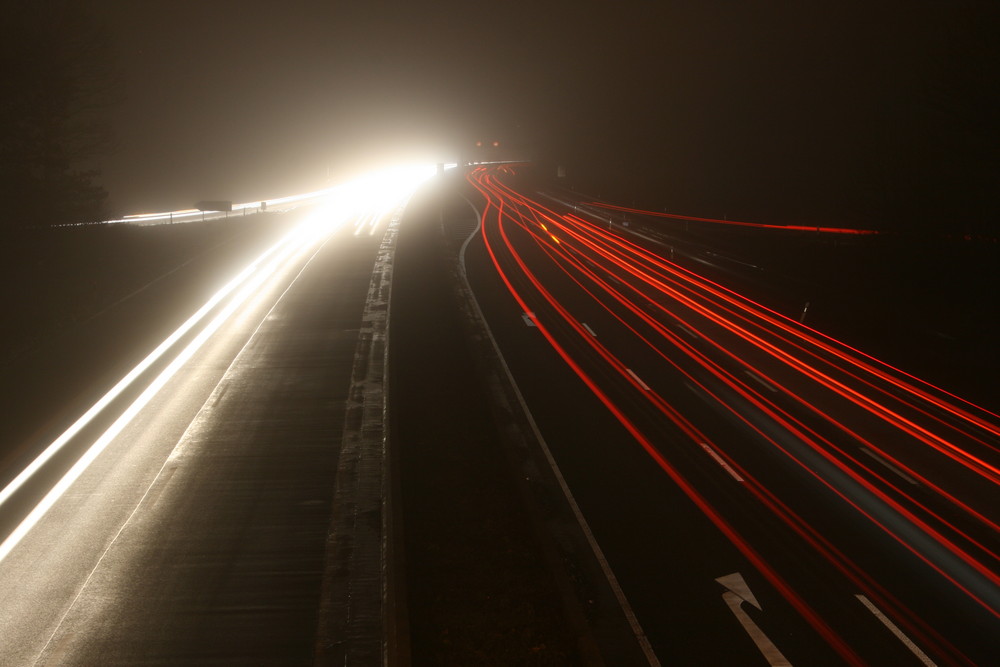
{"x": 864, "y": 113}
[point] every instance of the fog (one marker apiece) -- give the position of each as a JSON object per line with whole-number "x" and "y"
{"x": 781, "y": 111}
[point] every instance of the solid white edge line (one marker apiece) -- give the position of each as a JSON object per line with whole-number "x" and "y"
{"x": 633, "y": 621}
{"x": 921, "y": 656}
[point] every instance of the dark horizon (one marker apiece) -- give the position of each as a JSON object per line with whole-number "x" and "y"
{"x": 859, "y": 114}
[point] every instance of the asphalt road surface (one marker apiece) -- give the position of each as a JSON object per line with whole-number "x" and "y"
{"x": 757, "y": 492}
{"x": 764, "y": 494}
{"x": 198, "y": 534}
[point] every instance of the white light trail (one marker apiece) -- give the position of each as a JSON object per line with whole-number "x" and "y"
{"x": 373, "y": 193}
{"x": 124, "y": 383}
{"x": 380, "y": 185}
{"x": 99, "y": 445}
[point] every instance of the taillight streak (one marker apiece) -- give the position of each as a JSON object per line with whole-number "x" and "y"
{"x": 813, "y": 618}
{"x": 715, "y": 369}
{"x": 734, "y": 314}
{"x": 737, "y": 384}
{"x": 807, "y": 335}
{"x": 890, "y": 416}
{"x": 800, "y": 432}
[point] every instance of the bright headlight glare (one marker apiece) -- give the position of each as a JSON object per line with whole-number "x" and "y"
{"x": 370, "y": 195}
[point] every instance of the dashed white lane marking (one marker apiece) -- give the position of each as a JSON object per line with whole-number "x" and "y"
{"x": 687, "y": 331}
{"x": 889, "y": 466}
{"x": 589, "y": 330}
{"x": 529, "y": 319}
{"x": 637, "y": 379}
{"x": 718, "y": 459}
{"x": 907, "y": 642}
{"x": 761, "y": 381}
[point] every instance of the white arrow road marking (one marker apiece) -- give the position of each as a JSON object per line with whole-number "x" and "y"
{"x": 907, "y": 642}
{"x": 737, "y": 594}
{"x": 529, "y": 319}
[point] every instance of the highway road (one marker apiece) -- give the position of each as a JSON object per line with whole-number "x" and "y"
{"x": 760, "y": 493}
{"x": 764, "y": 493}
{"x": 184, "y": 518}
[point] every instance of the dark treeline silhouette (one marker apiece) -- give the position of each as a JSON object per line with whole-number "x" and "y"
{"x": 56, "y": 81}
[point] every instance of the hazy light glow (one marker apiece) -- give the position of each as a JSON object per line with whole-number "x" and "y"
{"x": 367, "y": 199}
{"x": 385, "y": 185}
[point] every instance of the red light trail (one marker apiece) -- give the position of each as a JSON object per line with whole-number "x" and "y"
{"x": 737, "y": 223}
{"x": 908, "y": 459}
